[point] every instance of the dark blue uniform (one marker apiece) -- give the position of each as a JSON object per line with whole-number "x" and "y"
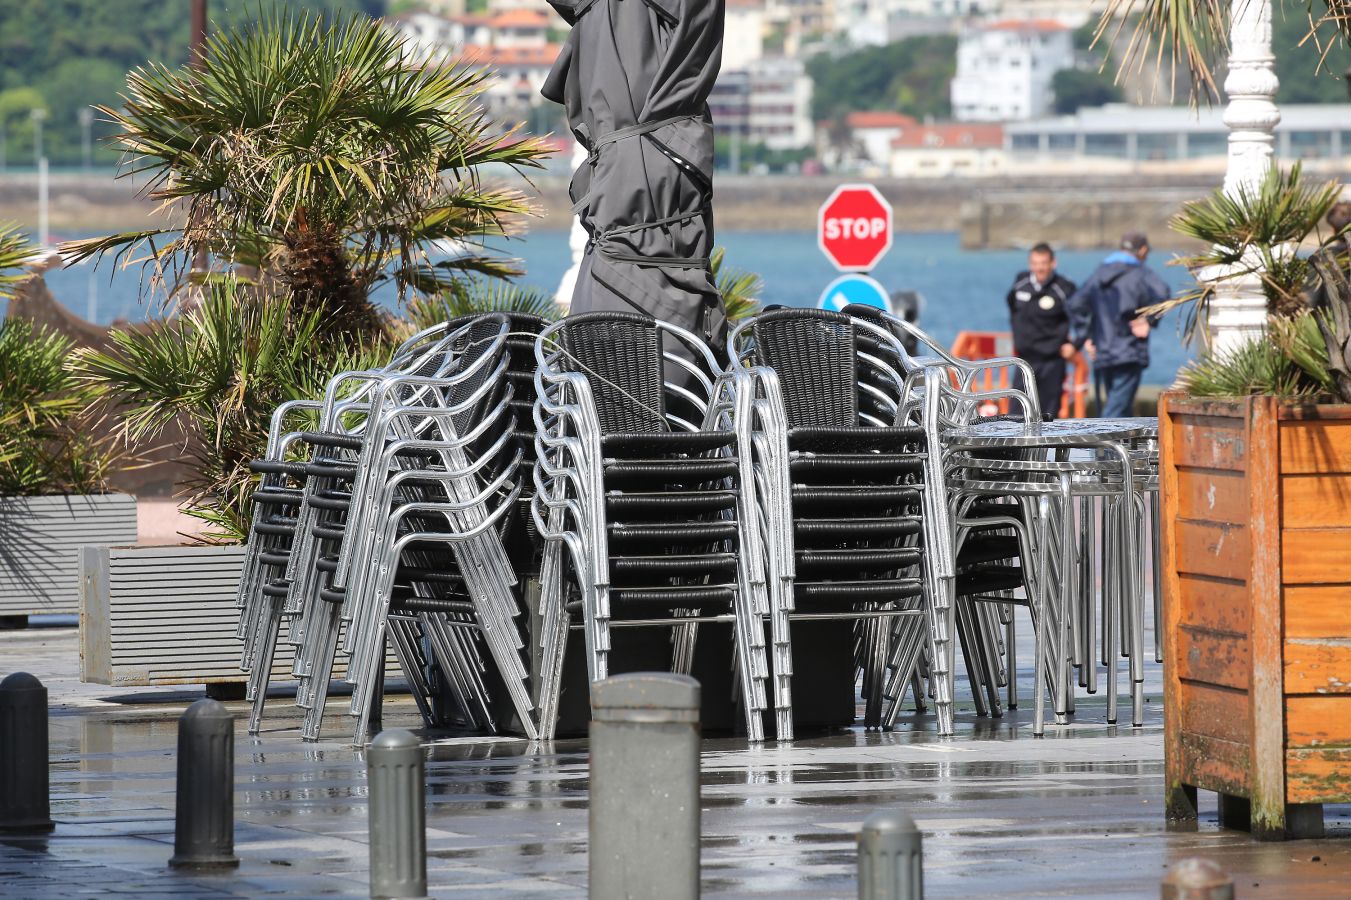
{"x": 1040, "y": 326}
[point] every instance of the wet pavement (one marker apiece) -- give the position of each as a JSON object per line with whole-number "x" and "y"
{"x": 1004, "y": 814}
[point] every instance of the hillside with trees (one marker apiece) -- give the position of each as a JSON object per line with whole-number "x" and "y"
{"x": 62, "y": 56}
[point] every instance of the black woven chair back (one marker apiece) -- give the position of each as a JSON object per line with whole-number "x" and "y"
{"x": 812, "y": 350}
{"x": 620, "y": 355}
{"x": 478, "y": 340}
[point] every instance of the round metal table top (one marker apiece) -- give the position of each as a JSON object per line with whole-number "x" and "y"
{"x": 1049, "y": 434}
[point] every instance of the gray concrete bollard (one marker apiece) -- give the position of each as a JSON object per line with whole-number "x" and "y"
{"x": 25, "y": 797}
{"x": 398, "y": 815}
{"x": 890, "y": 858}
{"x": 1197, "y": 879}
{"x": 204, "y": 817}
{"x": 644, "y": 819}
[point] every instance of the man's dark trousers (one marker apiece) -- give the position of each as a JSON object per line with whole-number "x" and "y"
{"x": 1120, "y": 383}
{"x": 1050, "y": 374}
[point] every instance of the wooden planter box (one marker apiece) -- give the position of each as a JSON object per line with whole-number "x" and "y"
{"x": 1257, "y": 609}
{"x": 40, "y": 540}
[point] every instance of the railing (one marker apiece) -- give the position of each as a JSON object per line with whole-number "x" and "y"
{"x": 976, "y": 345}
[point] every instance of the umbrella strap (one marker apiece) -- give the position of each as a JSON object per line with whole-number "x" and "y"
{"x": 680, "y": 262}
{"x": 623, "y": 134}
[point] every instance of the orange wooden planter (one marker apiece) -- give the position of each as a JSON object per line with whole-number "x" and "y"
{"x": 1257, "y": 609}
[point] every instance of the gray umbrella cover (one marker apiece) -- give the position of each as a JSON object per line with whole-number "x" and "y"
{"x": 634, "y": 77}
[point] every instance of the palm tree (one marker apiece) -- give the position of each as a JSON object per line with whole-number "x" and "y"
{"x": 1195, "y": 33}
{"x": 322, "y": 153}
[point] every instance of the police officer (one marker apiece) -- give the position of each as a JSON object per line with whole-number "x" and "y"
{"x": 1041, "y": 326}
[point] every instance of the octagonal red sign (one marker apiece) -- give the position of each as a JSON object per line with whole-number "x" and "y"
{"x": 854, "y": 227}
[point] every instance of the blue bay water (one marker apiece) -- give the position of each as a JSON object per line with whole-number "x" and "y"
{"x": 963, "y": 289}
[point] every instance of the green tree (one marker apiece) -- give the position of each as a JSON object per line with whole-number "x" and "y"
{"x": 909, "y": 76}
{"x": 1076, "y": 88}
{"x": 76, "y": 53}
{"x": 320, "y": 154}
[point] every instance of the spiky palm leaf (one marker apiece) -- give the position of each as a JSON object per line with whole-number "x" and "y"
{"x": 46, "y": 445}
{"x": 220, "y": 370}
{"x": 481, "y": 295}
{"x": 1193, "y": 35}
{"x": 14, "y": 253}
{"x": 322, "y": 148}
{"x": 1292, "y": 364}
{"x": 1253, "y": 231}
{"x": 740, "y": 289}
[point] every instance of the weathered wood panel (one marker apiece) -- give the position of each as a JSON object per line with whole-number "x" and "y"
{"x": 1218, "y": 550}
{"x": 1323, "y": 721}
{"x": 1210, "y": 442}
{"x": 1322, "y": 611}
{"x": 1318, "y": 776}
{"x": 1317, "y": 667}
{"x": 1267, "y": 785}
{"x": 1315, "y": 447}
{"x": 1217, "y": 712}
{"x": 1221, "y": 659}
{"x": 1215, "y": 764}
{"x": 1316, "y": 555}
{"x": 1212, "y": 495}
{"x": 1213, "y": 604}
{"x": 1316, "y": 501}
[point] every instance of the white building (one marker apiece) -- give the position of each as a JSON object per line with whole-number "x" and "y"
{"x": 949, "y": 151}
{"x": 767, "y": 102}
{"x": 1004, "y": 69}
{"x": 1123, "y": 138}
{"x": 743, "y": 36}
{"x": 872, "y": 133}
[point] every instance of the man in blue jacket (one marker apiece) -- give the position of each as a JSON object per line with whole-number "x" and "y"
{"x": 1105, "y": 320}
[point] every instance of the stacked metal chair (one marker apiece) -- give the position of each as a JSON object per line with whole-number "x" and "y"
{"x": 640, "y": 495}
{"x": 401, "y": 529}
{"x": 849, "y": 498}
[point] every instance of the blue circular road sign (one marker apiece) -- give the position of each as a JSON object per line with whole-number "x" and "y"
{"x": 849, "y": 289}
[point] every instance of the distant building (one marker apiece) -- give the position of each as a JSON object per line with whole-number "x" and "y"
{"x": 513, "y": 42}
{"x": 948, "y": 150}
{"x": 872, "y": 132}
{"x": 796, "y": 22}
{"x": 1120, "y": 137}
{"x": 743, "y": 40}
{"x": 767, "y": 102}
{"x": 1004, "y": 69}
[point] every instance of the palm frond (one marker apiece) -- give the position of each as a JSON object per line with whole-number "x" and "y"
{"x": 481, "y": 295}
{"x": 740, "y": 289}
{"x": 14, "y": 254}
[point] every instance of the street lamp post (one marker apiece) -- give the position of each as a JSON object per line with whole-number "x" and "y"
{"x": 1238, "y": 310}
{"x": 86, "y": 136}
{"x": 39, "y": 116}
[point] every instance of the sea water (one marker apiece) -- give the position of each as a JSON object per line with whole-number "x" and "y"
{"x": 964, "y": 290}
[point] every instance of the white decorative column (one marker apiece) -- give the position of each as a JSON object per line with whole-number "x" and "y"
{"x": 577, "y": 238}
{"x": 1238, "y": 311}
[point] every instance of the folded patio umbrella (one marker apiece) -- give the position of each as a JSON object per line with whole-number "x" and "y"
{"x": 634, "y": 77}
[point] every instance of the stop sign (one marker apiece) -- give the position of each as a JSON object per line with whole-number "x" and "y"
{"x": 854, "y": 227}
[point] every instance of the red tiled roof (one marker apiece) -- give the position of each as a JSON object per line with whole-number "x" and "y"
{"x": 1042, "y": 25}
{"x": 519, "y": 18}
{"x": 879, "y": 119}
{"x": 978, "y": 136}
{"x": 477, "y": 54}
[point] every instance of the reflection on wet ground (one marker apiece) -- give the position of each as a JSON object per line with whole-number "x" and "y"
{"x": 1078, "y": 813}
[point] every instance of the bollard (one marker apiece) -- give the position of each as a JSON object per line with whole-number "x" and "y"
{"x": 890, "y": 858}
{"x": 204, "y": 819}
{"x": 1197, "y": 879}
{"x": 398, "y": 815}
{"x": 644, "y": 818}
{"x": 25, "y": 798}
